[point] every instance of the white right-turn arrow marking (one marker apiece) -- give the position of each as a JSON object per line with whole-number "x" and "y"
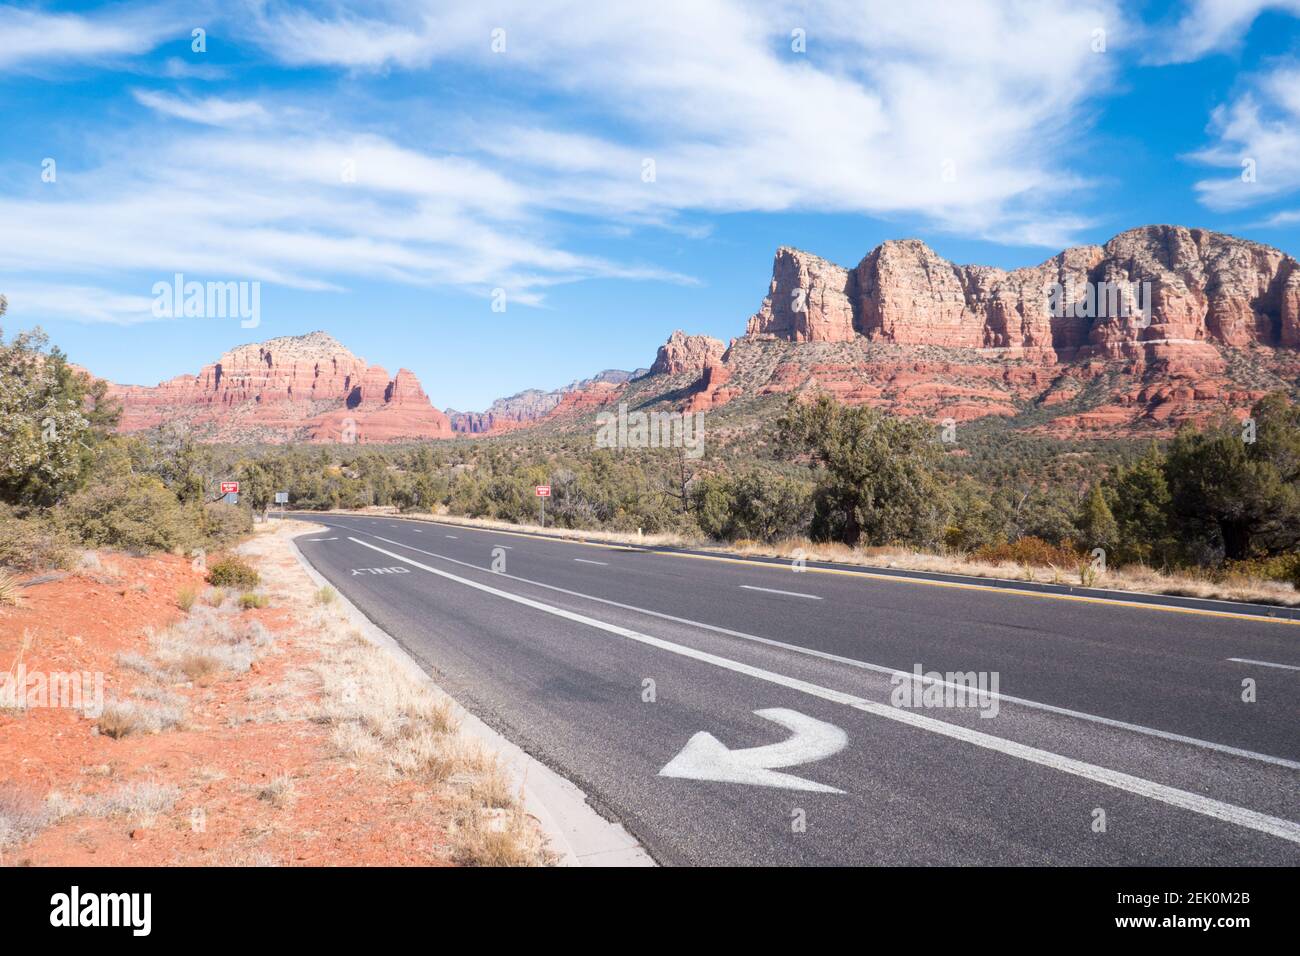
{"x": 706, "y": 758}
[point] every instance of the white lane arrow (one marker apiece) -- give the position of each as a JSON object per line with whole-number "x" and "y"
{"x": 706, "y": 758}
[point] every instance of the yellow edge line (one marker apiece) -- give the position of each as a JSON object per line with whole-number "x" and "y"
{"x": 897, "y": 578}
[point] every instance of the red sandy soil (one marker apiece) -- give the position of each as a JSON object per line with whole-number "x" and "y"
{"x": 342, "y": 813}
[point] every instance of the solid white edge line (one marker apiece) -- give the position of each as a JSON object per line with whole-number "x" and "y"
{"x": 1247, "y": 660}
{"x": 603, "y": 564}
{"x": 1228, "y": 813}
{"x": 754, "y": 587}
{"x": 581, "y": 835}
{"x": 878, "y": 668}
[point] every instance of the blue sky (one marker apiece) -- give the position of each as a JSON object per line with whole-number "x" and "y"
{"x": 503, "y": 146}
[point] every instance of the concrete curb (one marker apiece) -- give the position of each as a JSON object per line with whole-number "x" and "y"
{"x": 580, "y": 835}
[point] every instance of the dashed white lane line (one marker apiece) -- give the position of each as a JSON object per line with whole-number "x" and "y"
{"x": 754, "y": 587}
{"x": 452, "y": 536}
{"x": 417, "y": 531}
{"x": 585, "y": 561}
{"x": 1247, "y": 660}
{"x": 1183, "y": 799}
{"x": 877, "y": 668}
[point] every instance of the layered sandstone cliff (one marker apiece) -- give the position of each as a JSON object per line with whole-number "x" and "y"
{"x": 1187, "y": 322}
{"x": 296, "y": 388}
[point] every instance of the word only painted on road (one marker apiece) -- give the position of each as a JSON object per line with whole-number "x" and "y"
{"x": 356, "y": 571}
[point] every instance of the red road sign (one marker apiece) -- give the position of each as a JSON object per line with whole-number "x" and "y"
{"x": 230, "y": 487}
{"x": 543, "y": 491}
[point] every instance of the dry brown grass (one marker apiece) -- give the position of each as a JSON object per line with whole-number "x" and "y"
{"x": 122, "y": 718}
{"x": 10, "y": 592}
{"x": 280, "y": 792}
{"x": 493, "y": 837}
{"x": 1129, "y": 578}
{"x": 142, "y": 800}
{"x": 384, "y": 719}
{"x": 22, "y": 815}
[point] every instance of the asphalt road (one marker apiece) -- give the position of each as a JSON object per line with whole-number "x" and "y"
{"x": 733, "y": 712}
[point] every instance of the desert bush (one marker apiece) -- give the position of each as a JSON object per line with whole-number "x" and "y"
{"x": 1283, "y": 567}
{"x": 251, "y": 599}
{"x": 185, "y": 598}
{"x": 32, "y": 542}
{"x": 223, "y": 524}
{"x": 231, "y": 572}
{"x": 133, "y": 512}
{"x": 326, "y": 595}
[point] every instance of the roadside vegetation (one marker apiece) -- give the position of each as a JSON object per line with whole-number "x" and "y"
{"x": 1207, "y": 513}
{"x": 68, "y": 483}
{"x": 1214, "y": 506}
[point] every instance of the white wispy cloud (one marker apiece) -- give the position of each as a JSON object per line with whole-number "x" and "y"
{"x": 1257, "y": 136}
{"x": 311, "y": 212}
{"x": 959, "y": 113}
{"x": 210, "y": 110}
{"x": 1210, "y": 26}
{"x": 34, "y": 37}
{"x": 886, "y": 100}
{"x": 33, "y": 302}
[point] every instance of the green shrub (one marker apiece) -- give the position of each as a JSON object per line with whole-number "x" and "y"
{"x": 1282, "y": 567}
{"x": 32, "y": 542}
{"x": 133, "y": 512}
{"x": 231, "y": 572}
{"x": 225, "y": 524}
{"x": 251, "y": 599}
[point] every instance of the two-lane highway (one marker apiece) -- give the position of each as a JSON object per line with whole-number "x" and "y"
{"x": 735, "y": 712}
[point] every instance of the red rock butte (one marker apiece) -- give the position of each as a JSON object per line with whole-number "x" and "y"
{"x": 297, "y": 388}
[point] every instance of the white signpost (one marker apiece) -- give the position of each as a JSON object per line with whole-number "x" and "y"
{"x": 543, "y": 492}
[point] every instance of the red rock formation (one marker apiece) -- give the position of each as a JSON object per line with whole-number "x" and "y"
{"x": 298, "y": 388}
{"x": 535, "y": 405}
{"x": 808, "y": 300}
{"x": 1185, "y": 322}
{"x": 686, "y": 353}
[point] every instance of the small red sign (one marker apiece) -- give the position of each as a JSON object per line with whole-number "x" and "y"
{"x": 543, "y": 491}
{"x": 230, "y": 487}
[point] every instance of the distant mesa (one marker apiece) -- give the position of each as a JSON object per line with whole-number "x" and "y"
{"x": 304, "y": 388}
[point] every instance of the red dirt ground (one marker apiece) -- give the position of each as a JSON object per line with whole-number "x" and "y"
{"x": 341, "y": 814}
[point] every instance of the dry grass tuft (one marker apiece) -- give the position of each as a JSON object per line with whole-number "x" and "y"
{"x": 122, "y": 718}
{"x": 494, "y": 837}
{"x": 10, "y": 592}
{"x": 22, "y": 816}
{"x": 280, "y": 792}
{"x": 143, "y": 800}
